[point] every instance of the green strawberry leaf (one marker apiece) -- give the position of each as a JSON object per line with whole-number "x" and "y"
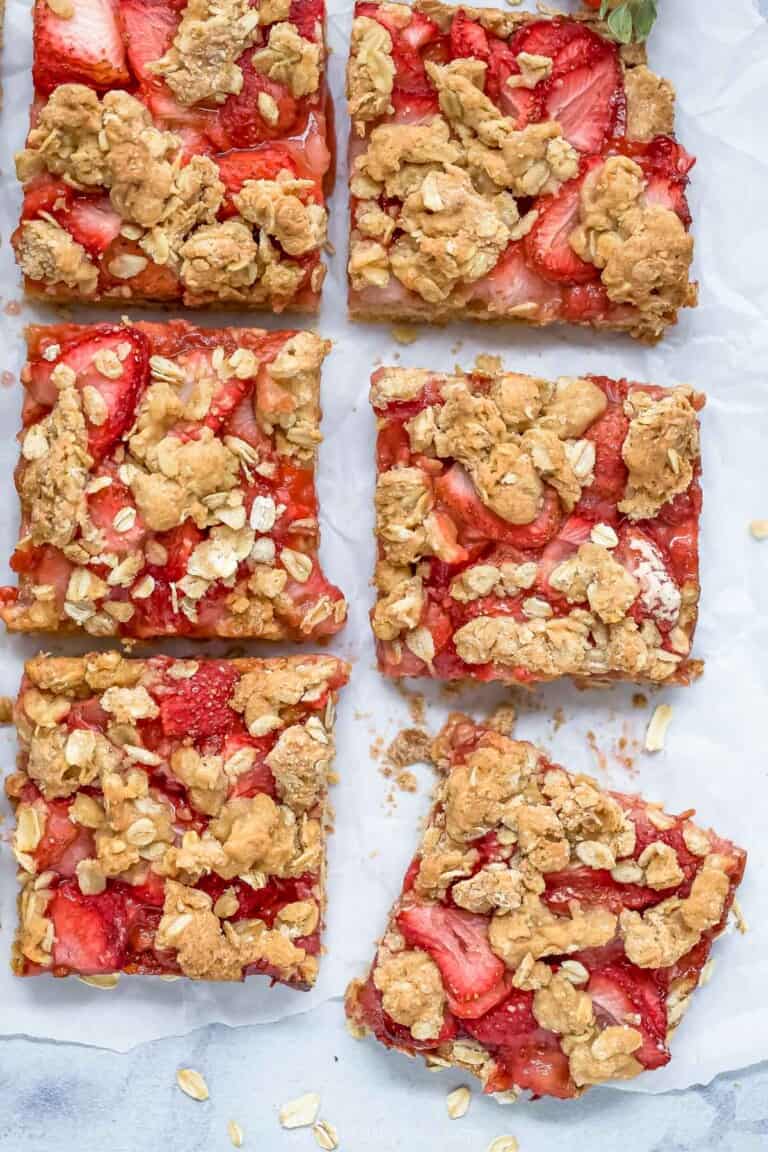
{"x": 631, "y": 20}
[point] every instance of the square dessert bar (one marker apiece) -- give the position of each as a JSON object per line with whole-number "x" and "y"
{"x": 505, "y": 166}
{"x": 170, "y": 815}
{"x": 167, "y": 484}
{"x": 549, "y": 933}
{"x": 528, "y": 530}
{"x": 178, "y": 153}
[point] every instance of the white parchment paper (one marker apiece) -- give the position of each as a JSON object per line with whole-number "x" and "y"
{"x": 717, "y": 55}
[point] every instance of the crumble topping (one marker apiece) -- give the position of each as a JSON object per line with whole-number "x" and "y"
{"x": 642, "y": 250}
{"x": 276, "y": 208}
{"x": 370, "y": 73}
{"x": 412, "y": 992}
{"x": 201, "y": 63}
{"x": 65, "y": 139}
{"x": 660, "y": 450}
{"x": 290, "y": 59}
{"x": 650, "y": 104}
{"x": 47, "y": 252}
{"x": 593, "y": 575}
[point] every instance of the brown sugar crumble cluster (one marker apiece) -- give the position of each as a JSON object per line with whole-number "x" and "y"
{"x": 505, "y": 166}
{"x": 177, "y": 153}
{"x": 167, "y": 484}
{"x": 171, "y": 815}
{"x": 549, "y": 933}
{"x": 530, "y": 529}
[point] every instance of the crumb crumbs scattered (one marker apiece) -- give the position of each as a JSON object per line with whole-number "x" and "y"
{"x": 558, "y": 719}
{"x": 457, "y": 347}
{"x": 738, "y": 918}
{"x": 759, "y": 529}
{"x": 7, "y": 379}
{"x": 639, "y": 700}
{"x": 406, "y": 781}
{"x": 358, "y": 715}
{"x": 594, "y": 747}
{"x": 503, "y": 719}
{"x": 404, "y": 333}
{"x": 376, "y": 748}
{"x": 13, "y": 308}
{"x": 411, "y": 746}
{"x": 6, "y": 710}
{"x": 488, "y": 365}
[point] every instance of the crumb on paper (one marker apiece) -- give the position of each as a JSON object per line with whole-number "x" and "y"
{"x": 594, "y": 747}
{"x": 404, "y": 333}
{"x": 503, "y": 719}
{"x": 657, "y": 728}
{"x": 639, "y": 700}
{"x": 738, "y": 918}
{"x": 301, "y": 1112}
{"x": 406, "y": 781}
{"x": 6, "y": 710}
{"x": 487, "y": 365}
{"x": 558, "y": 719}
{"x": 13, "y": 308}
{"x": 410, "y": 746}
{"x": 376, "y": 748}
{"x": 358, "y": 715}
{"x": 7, "y": 379}
{"x": 759, "y": 529}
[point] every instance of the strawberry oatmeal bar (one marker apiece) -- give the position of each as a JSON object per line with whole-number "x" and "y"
{"x": 178, "y": 153}
{"x": 528, "y": 530}
{"x": 171, "y": 815}
{"x": 549, "y": 933}
{"x": 167, "y": 484}
{"x": 505, "y": 166}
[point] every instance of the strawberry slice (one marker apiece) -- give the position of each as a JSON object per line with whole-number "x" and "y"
{"x": 468, "y": 38}
{"x": 478, "y": 1006}
{"x": 547, "y": 246}
{"x": 84, "y": 48}
{"x": 93, "y": 223}
{"x": 608, "y": 435}
{"x": 90, "y": 931}
{"x": 45, "y": 193}
{"x": 308, "y": 16}
{"x": 241, "y": 117}
{"x": 149, "y": 27}
{"x": 536, "y": 1063}
{"x": 592, "y": 886}
{"x": 63, "y": 844}
{"x": 587, "y": 101}
{"x": 105, "y": 508}
{"x": 120, "y": 395}
{"x": 199, "y": 706}
{"x": 585, "y": 303}
{"x": 573, "y": 532}
{"x": 456, "y": 490}
{"x": 547, "y": 37}
{"x": 620, "y": 994}
{"x": 263, "y": 163}
{"x": 668, "y": 193}
{"x": 413, "y": 107}
{"x": 258, "y": 778}
{"x": 505, "y": 1023}
{"x": 524, "y": 105}
{"x": 458, "y": 943}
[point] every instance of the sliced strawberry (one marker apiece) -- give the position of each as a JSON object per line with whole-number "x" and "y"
{"x": 120, "y": 395}
{"x": 536, "y": 1063}
{"x": 456, "y": 491}
{"x": 149, "y": 27}
{"x": 514, "y": 283}
{"x": 585, "y": 303}
{"x": 264, "y": 902}
{"x": 524, "y": 105}
{"x": 620, "y": 994}
{"x": 412, "y": 108}
{"x": 263, "y": 163}
{"x": 419, "y": 31}
{"x": 45, "y": 194}
{"x": 308, "y": 16}
{"x": 586, "y": 101}
{"x": 468, "y": 38}
{"x": 258, "y": 778}
{"x": 668, "y": 193}
{"x": 84, "y": 48}
{"x": 572, "y": 533}
{"x": 546, "y": 37}
{"x": 199, "y": 706}
{"x": 547, "y": 245}
{"x": 92, "y": 222}
{"x": 506, "y": 1022}
{"x": 608, "y": 435}
{"x": 594, "y": 886}
{"x": 50, "y": 567}
{"x": 458, "y": 943}
{"x": 63, "y": 843}
{"x": 89, "y": 931}
{"x": 113, "y": 511}
{"x": 478, "y": 1006}
{"x": 241, "y": 118}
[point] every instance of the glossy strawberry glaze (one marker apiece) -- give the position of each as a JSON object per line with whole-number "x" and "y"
{"x": 483, "y": 1005}
{"x": 585, "y": 94}
{"x": 232, "y": 412}
{"x": 233, "y": 134}
{"x": 114, "y": 931}
{"x": 483, "y": 537}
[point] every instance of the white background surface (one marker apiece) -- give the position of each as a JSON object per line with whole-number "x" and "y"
{"x": 716, "y": 54}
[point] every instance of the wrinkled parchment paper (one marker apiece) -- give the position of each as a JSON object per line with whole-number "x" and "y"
{"x": 717, "y": 55}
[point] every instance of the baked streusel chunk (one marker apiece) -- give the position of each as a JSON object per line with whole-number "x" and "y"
{"x": 177, "y": 153}
{"x": 509, "y": 167}
{"x": 167, "y": 484}
{"x": 170, "y": 815}
{"x": 549, "y": 933}
{"x": 530, "y": 529}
